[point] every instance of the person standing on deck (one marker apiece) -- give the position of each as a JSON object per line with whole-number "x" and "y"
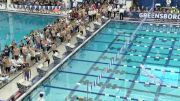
{"x": 75, "y": 3}
{"x": 46, "y": 57}
{"x": 7, "y": 65}
{"x": 109, "y": 10}
{"x": 27, "y": 72}
{"x": 121, "y": 13}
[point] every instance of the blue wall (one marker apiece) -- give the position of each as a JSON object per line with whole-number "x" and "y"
{"x": 162, "y": 2}
{"x": 145, "y": 3}
{"x": 176, "y": 2}
{"x": 148, "y": 3}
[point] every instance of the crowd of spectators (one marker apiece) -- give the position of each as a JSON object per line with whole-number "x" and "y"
{"x": 37, "y": 44}
{"x": 160, "y": 9}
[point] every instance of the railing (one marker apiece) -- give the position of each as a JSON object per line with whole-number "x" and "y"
{"x": 4, "y": 6}
{"x": 33, "y": 7}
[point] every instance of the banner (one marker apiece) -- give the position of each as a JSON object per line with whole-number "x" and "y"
{"x": 154, "y": 15}
{"x": 160, "y": 16}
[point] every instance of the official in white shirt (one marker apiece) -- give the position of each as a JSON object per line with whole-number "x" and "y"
{"x": 114, "y": 10}
{"x": 121, "y": 13}
{"x": 90, "y": 14}
{"x": 109, "y": 10}
{"x": 94, "y": 14}
{"x": 75, "y": 3}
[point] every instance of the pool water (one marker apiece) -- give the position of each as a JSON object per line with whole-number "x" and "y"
{"x": 157, "y": 49}
{"x": 14, "y": 26}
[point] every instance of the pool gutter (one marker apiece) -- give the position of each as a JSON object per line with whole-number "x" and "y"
{"x": 25, "y": 12}
{"x": 61, "y": 63}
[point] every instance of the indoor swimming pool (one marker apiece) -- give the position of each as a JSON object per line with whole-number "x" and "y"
{"x": 156, "y": 46}
{"x": 14, "y": 26}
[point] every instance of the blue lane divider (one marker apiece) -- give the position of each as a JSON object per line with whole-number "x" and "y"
{"x": 139, "y": 70}
{"x": 128, "y": 43}
{"x": 160, "y": 47}
{"x": 139, "y": 36}
{"x": 98, "y": 51}
{"x": 118, "y": 64}
{"x": 94, "y": 64}
{"x": 146, "y": 46}
{"x": 150, "y": 52}
{"x": 106, "y": 42}
{"x": 149, "y": 49}
{"x": 166, "y": 64}
{"x": 135, "y": 55}
{"x": 102, "y": 94}
{"x": 145, "y": 31}
{"x": 170, "y": 53}
{"x": 89, "y": 74}
{"x": 92, "y": 61}
{"x": 123, "y": 35}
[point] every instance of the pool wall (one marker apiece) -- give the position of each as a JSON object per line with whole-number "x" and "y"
{"x": 11, "y": 11}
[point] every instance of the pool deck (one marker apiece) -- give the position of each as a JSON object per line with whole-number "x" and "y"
{"x": 11, "y": 88}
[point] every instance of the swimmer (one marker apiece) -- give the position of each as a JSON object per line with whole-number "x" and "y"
{"x": 7, "y": 65}
{"x": 54, "y": 48}
{"x": 41, "y": 97}
{"x": 32, "y": 54}
{"x": 16, "y": 53}
{"x": 68, "y": 38}
{"x": 24, "y": 52}
{"x": 6, "y": 51}
{"x": 79, "y": 99}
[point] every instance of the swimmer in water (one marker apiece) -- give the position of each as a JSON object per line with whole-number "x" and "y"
{"x": 41, "y": 97}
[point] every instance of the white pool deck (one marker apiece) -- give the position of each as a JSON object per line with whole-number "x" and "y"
{"x": 11, "y": 88}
